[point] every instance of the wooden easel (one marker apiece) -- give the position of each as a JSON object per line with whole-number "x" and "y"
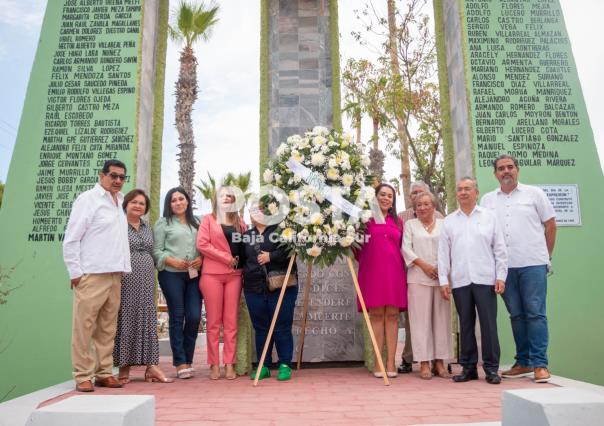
{"x": 306, "y": 295}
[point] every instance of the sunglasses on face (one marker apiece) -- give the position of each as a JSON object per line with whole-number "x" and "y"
{"x": 115, "y": 176}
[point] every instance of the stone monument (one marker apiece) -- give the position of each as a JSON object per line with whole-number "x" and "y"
{"x": 300, "y": 90}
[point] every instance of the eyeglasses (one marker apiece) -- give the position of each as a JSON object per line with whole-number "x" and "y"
{"x": 115, "y": 176}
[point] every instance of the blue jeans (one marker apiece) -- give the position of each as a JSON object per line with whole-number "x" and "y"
{"x": 524, "y": 297}
{"x": 184, "y": 307}
{"x": 262, "y": 308}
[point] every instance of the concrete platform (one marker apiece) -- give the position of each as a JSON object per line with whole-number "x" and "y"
{"x": 97, "y": 410}
{"x": 552, "y": 407}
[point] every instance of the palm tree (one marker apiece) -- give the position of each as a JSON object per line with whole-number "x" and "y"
{"x": 242, "y": 181}
{"x": 192, "y": 23}
{"x": 208, "y": 188}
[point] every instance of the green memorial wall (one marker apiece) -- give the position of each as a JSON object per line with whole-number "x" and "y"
{"x": 523, "y": 97}
{"x": 81, "y": 109}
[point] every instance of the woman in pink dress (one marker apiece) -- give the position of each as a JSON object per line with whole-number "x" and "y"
{"x": 382, "y": 276}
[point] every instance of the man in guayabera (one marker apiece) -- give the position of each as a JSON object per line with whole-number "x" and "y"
{"x": 416, "y": 188}
{"x": 96, "y": 253}
{"x": 529, "y": 223}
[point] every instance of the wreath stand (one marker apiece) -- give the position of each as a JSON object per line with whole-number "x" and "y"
{"x": 353, "y": 273}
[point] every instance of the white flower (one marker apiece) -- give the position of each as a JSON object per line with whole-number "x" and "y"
{"x": 314, "y": 251}
{"x": 338, "y": 224}
{"x": 297, "y": 156}
{"x": 297, "y": 178}
{"x": 345, "y": 165}
{"x": 316, "y": 219}
{"x": 293, "y": 196}
{"x": 282, "y": 149}
{"x": 347, "y": 241}
{"x": 365, "y": 161}
{"x": 317, "y": 159}
{"x": 346, "y": 139}
{"x": 347, "y": 179}
{"x": 350, "y": 230}
{"x": 294, "y": 139}
{"x": 282, "y": 224}
{"x": 366, "y": 215}
{"x": 320, "y": 130}
{"x": 272, "y": 207}
{"x": 303, "y": 143}
{"x": 277, "y": 178}
{"x": 319, "y": 141}
{"x": 267, "y": 176}
{"x": 332, "y": 173}
{"x": 332, "y": 162}
{"x": 288, "y": 234}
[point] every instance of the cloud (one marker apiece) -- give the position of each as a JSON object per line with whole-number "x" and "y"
{"x": 23, "y": 14}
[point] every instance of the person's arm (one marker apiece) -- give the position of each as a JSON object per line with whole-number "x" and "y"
{"x": 205, "y": 246}
{"x": 444, "y": 262}
{"x": 500, "y": 252}
{"x": 550, "y": 235}
{"x": 79, "y": 220}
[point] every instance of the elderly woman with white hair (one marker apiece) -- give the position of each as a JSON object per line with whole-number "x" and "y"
{"x": 429, "y": 312}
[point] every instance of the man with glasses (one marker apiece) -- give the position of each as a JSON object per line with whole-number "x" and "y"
{"x": 416, "y": 188}
{"x": 96, "y": 253}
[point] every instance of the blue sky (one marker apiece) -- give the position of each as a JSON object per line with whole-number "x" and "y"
{"x": 226, "y": 115}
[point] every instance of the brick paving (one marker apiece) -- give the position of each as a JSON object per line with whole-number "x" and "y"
{"x": 317, "y": 396}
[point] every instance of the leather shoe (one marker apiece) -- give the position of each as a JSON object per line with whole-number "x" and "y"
{"x": 493, "y": 378}
{"x": 405, "y": 368}
{"x": 108, "y": 382}
{"x": 85, "y": 386}
{"x": 466, "y": 376}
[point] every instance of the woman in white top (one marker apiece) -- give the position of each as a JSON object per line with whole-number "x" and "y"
{"x": 429, "y": 312}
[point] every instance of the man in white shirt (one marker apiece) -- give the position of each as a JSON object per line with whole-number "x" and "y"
{"x": 96, "y": 253}
{"x": 472, "y": 260}
{"x": 529, "y": 226}
{"x": 416, "y": 188}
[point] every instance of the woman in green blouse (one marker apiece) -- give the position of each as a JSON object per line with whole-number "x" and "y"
{"x": 179, "y": 262}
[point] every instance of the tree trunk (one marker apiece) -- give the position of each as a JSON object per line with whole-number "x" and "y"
{"x": 376, "y": 157}
{"x": 186, "y": 94}
{"x": 358, "y": 120}
{"x": 400, "y": 125}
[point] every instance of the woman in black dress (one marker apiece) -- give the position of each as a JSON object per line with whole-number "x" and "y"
{"x": 136, "y": 338}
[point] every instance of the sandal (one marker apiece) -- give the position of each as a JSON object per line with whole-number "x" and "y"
{"x": 214, "y": 372}
{"x": 425, "y": 371}
{"x": 153, "y": 374}
{"x": 124, "y": 375}
{"x": 229, "y": 372}
{"x": 443, "y": 374}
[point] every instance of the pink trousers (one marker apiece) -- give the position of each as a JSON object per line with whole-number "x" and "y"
{"x": 221, "y": 294}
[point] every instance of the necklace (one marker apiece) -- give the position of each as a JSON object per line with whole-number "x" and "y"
{"x": 429, "y": 227}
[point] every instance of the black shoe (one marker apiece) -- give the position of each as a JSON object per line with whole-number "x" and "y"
{"x": 493, "y": 378}
{"x": 405, "y": 368}
{"x": 466, "y": 376}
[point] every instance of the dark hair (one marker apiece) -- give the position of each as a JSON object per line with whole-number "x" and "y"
{"x": 132, "y": 195}
{"x": 114, "y": 163}
{"x": 505, "y": 157}
{"x": 168, "y": 213}
{"x": 391, "y": 210}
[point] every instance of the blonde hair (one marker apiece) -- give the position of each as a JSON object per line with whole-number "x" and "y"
{"x": 425, "y": 194}
{"x": 232, "y": 216}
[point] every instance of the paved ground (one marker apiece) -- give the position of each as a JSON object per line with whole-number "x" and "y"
{"x": 334, "y": 396}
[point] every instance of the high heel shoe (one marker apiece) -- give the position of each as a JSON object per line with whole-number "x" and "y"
{"x": 153, "y": 374}
{"x": 229, "y": 372}
{"x": 214, "y": 372}
{"x": 124, "y": 375}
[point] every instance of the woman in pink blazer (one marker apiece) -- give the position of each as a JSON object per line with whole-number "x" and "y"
{"x": 219, "y": 240}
